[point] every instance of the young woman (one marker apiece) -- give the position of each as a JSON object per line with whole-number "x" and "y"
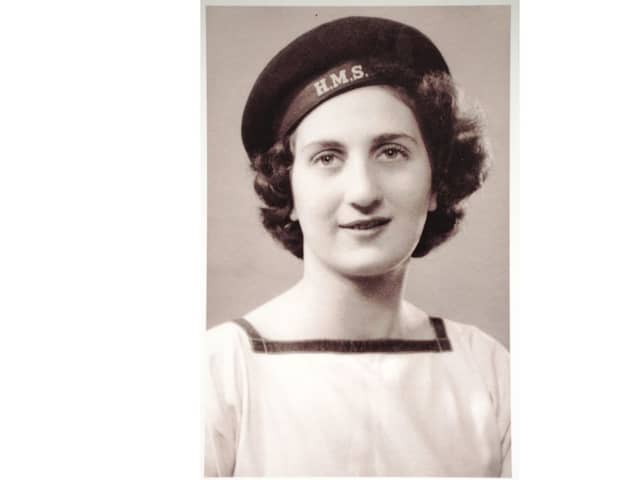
{"x": 362, "y": 158}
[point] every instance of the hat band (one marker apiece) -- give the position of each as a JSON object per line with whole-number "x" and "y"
{"x": 346, "y": 76}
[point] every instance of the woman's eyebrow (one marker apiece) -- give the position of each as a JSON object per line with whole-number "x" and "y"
{"x": 390, "y": 137}
{"x": 323, "y": 144}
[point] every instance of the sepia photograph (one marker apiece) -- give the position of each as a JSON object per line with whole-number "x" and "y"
{"x": 358, "y": 163}
{"x": 364, "y": 239}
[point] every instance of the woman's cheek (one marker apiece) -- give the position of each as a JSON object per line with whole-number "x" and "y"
{"x": 412, "y": 191}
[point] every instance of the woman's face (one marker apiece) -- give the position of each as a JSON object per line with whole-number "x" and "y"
{"x": 361, "y": 182}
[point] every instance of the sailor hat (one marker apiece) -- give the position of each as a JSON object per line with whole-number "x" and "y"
{"x": 332, "y": 58}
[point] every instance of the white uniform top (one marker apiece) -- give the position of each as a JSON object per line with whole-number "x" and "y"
{"x": 387, "y": 407}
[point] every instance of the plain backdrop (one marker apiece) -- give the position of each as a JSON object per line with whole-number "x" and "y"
{"x": 467, "y": 278}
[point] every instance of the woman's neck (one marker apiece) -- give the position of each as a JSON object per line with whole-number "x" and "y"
{"x": 332, "y": 305}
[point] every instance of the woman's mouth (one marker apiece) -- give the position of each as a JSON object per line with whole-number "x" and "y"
{"x": 366, "y": 224}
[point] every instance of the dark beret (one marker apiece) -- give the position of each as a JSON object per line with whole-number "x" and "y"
{"x": 332, "y": 58}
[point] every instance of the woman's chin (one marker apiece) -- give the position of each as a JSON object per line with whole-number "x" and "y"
{"x": 374, "y": 264}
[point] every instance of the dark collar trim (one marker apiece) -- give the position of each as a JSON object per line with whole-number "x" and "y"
{"x": 379, "y": 345}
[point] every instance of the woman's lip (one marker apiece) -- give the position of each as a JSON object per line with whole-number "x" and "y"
{"x": 366, "y": 224}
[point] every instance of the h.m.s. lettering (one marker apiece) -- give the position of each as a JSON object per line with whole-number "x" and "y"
{"x": 338, "y": 78}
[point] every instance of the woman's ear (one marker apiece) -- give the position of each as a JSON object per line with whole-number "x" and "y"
{"x": 293, "y": 215}
{"x": 433, "y": 202}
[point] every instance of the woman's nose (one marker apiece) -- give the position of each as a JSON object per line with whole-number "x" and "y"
{"x": 362, "y": 189}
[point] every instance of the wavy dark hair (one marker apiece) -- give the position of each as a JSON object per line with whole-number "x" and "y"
{"x": 455, "y": 143}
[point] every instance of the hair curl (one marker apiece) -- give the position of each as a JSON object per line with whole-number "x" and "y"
{"x": 455, "y": 143}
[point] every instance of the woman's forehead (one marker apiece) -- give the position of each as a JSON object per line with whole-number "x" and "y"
{"x": 363, "y": 113}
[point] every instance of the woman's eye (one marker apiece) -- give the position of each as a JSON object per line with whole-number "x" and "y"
{"x": 393, "y": 153}
{"x": 326, "y": 159}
